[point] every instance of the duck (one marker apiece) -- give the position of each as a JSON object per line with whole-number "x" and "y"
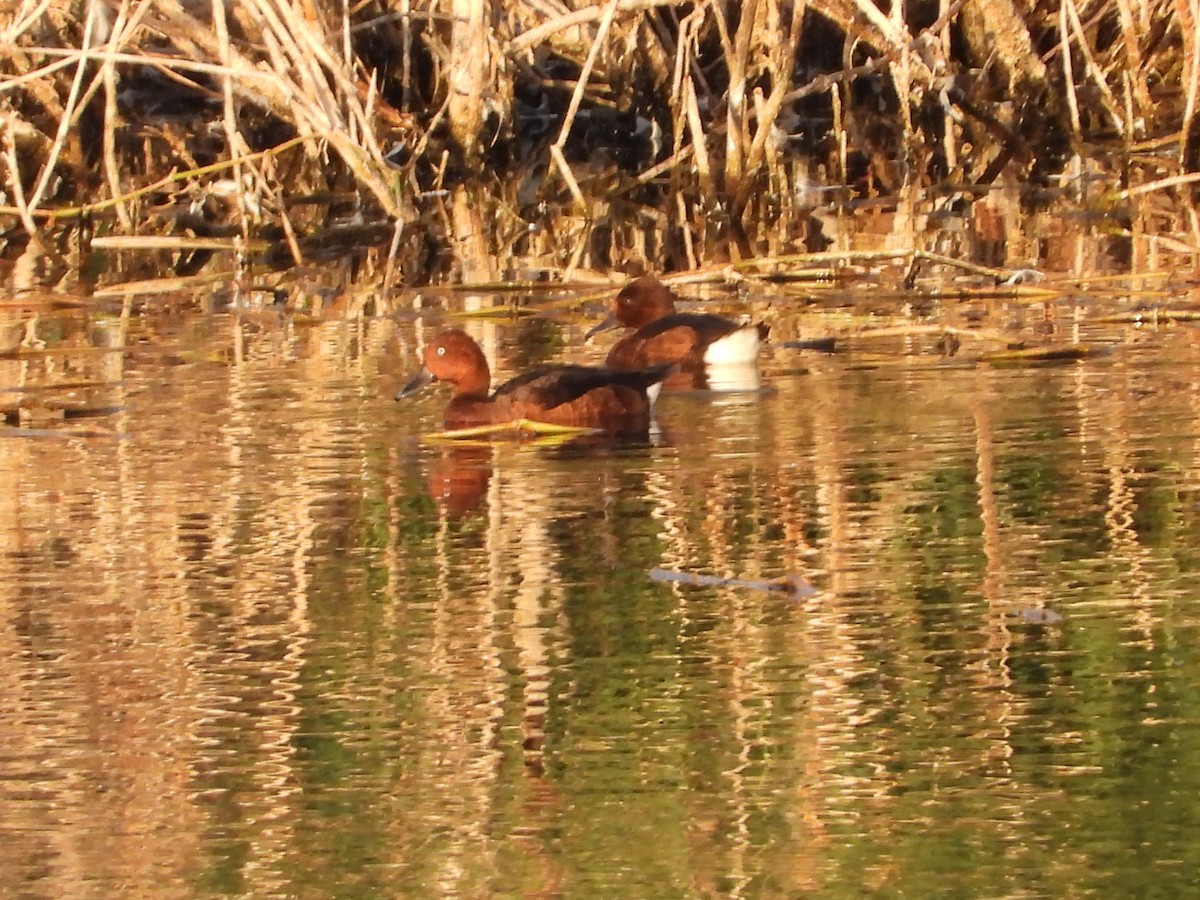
{"x": 605, "y": 399}
{"x": 701, "y": 344}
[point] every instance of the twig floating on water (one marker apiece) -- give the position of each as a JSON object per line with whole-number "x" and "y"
{"x": 823, "y": 345}
{"x": 1037, "y": 615}
{"x": 1043, "y": 354}
{"x": 793, "y": 585}
{"x": 1151, "y": 316}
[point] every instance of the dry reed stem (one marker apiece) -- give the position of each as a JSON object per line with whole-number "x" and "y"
{"x": 234, "y": 144}
{"x": 423, "y": 140}
{"x": 672, "y": 161}
{"x": 699, "y": 142}
{"x": 890, "y": 27}
{"x": 466, "y": 81}
{"x": 1188, "y": 13}
{"x": 164, "y": 285}
{"x": 782, "y": 58}
{"x": 529, "y": 39}
{"x": 112, "y": 169}
{"x": 124, "y": 25}
{"x": 171, "y": 242}
{"x": 1094, "y": 71}
{"x": 17, "y": 26}
{"x": 285, "y": 221}
{"x": 556, "y": 154}
{"x": 22, "y": 209}
{"x": 736, "y": 51}
{"x": 308, "y": 101}
{"x": 74, "y": 212}
{"x": 406, "y": 43}
{"x": 70, "y": 56}
{"x": 912, "y": 329}
{"x": 581, "y": 244}
{"x": 1069, "y": 71}
{"x": 689, "y": 245}
{"x": 823, "y": 83}
{"x": 871, "y": 256}
{"x": 680, "y": 85}
{"x": 839, "y": 131}
{"x": 1158, "y": 185}
{"x": 390, "y": 264}
{"x": 42, "y": 75}
{"x": 949, "y": 115}
{"x": 1132, "y": 70}
{"x": 902, "y": 73}
{"x": 65, "y": 122}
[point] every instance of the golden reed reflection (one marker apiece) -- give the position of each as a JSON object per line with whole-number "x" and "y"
{"x": 178, "y": 564}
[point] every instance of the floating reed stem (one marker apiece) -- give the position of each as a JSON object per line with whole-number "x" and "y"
{"x": 517, "y": 428}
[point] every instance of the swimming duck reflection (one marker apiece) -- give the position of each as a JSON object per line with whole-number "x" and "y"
{"x": 460, "y": 474}
{"x": 459, "y": 477}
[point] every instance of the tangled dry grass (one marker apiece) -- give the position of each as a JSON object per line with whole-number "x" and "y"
{"x": 304, "y": 126}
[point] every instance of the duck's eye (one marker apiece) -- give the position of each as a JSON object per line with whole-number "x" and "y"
{"x": 441, "y": 351}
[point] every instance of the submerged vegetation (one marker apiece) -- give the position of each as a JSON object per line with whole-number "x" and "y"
{"x": 448, "y": 135}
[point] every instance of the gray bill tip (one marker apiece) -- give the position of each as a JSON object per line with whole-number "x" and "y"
{"x": 421, "y": 379}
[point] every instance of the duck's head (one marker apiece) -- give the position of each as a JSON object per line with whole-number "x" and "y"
{"x": 642, "y": 301}
{"x": 455, "y": 358}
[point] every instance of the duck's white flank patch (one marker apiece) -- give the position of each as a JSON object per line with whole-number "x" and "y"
{"x": 738, "y": 347}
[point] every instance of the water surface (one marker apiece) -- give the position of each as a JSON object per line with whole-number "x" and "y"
{"x": 258, "y": 638}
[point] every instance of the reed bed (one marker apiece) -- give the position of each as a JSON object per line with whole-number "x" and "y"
{"x": 438, "y": 132}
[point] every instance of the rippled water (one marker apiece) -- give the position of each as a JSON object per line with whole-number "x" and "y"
{"x": 258, "y": 638}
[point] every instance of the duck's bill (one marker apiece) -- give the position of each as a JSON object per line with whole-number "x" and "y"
{"x": 609, "y": 323}
{"x": 423, "y": 378}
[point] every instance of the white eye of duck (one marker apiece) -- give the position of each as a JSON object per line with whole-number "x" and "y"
{"x": 441, "y": 351}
